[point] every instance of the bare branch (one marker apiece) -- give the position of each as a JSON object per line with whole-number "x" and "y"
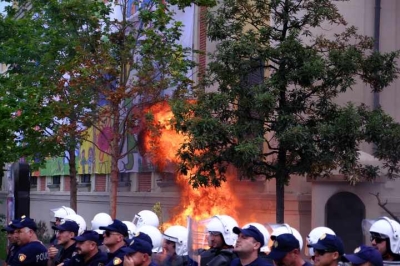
{"x": 383, "y": 206}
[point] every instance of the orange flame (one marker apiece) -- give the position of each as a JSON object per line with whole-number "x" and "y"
{"x": 201, "y": 203}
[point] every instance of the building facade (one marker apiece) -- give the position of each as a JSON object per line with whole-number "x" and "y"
{"x": 309, "y": 203}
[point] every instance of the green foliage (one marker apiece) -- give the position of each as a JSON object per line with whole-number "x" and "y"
{"x": 157, "y": 209}
{"x": 273, "y": 113}
{"x": 42, "y": 232}
{"x": 72, "y": 66}
{"x": 3, "y": 244}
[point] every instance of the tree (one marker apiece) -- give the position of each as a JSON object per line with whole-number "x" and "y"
{"x": 92, "y": 65}
{"x": 42, "y": 45}
{"x": 273, "y": 112}
{"x": 142, "y": 63}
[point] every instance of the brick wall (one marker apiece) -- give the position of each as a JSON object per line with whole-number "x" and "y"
{"x": 43, "y": 184}
{"x": 67, "y": 186}
{"x": 144, "y": 182}
{"x": 202, "y": 41}
{"x": 100, "y": 183}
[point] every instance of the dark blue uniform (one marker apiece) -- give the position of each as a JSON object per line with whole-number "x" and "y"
{"x": 116, "y": 258}
{"x": 256, "y": 262}
{"x": 33, "y": 253}
{"x": 217, "y": 257}
{"x": 65, "y": 253}
{"x": 99, "y": 259}
{"x": 12, "y": 251}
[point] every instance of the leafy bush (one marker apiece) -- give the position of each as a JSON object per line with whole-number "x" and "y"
{"x": 42, "y": 232}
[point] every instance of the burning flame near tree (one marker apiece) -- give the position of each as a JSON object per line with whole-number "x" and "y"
{"x": 201, "y": 203}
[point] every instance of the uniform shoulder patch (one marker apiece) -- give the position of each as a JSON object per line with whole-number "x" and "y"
{"x": 275, "y": 244}
{"x": 21, "y": 257}
{"x": 357, "y": 250}
{"x": 117, "y": 261}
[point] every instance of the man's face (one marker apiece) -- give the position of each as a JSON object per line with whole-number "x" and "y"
{"x": 112, "y": 238}
{"x": 85, "y": 247}
{"x": 215, "y": 240}
{"x": 323, "y": 258}
{"x": 246, "y": 245}
{"x": 58, "y": 221}
{"x": 380, "y": 244}
{"x": 63, "y": 237}
{"x": 136, "y": 258}
{"x": 365, "y": 264}
{"x": 169, "y": 247}
{"x": 289, "y": 259}
{"x": 11, "y": 236}
{"x": 23, "y": 236}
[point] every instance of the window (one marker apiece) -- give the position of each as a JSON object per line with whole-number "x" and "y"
{"x": 123, "y": 177}
{"x": 85, "y": 178}
{"x": 56, "y": 180}
{"x": 34, "y": 181}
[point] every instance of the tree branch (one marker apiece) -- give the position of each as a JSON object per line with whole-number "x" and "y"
{"x": 383, "y": 206}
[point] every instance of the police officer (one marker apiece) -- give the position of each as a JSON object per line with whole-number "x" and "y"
{"x": 175, "y": 246}
{"x": 248, "y": 246}
{"x": 31, "y": 251}
{"x": 146, "y": 217}
{"x": 88, "y": 252}
{"x": 114, "y": 235}
{"x": 221, "y": 240}
{"x": 313, "y": 237}
{"x": 264, "y": 250}
{"x": 11, "y": 236}
{"x": 385, "y": 238}
{"x": 138, "y": 253}
{"x": 65, "y": 234}
{"x": 328, "y": 250}
{"x": 59, "y": 215}
{"x": 286, "y": 251}
{"x": 364, "y": 256}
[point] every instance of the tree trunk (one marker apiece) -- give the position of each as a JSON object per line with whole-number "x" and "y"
{"x": 113, "y": 189}
{"x": 115, "y": 153}
{"x": 281, "y": 177}
{"x": 280, "y": 201}
{"x": 73, "y": 198}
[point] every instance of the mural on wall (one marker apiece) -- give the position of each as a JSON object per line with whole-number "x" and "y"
{"x": 90, "y": 159}
{"x": 55, "y": 166}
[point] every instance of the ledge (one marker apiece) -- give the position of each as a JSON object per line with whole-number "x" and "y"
{"x": 54, "y": 187}
{"x": 84, "y": 187}
{"x": 124, "y": 186}
{"x": 342, "y": 179}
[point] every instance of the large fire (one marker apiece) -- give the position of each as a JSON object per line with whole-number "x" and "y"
{"x": 201, "y": 203}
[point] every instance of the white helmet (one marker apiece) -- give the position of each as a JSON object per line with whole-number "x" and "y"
{"x": 263, "y": 231}
{"x": 154, "y": 234}
{"x": 79, "y": 220}
{"x": 388, "y": 228}
{"x": 131, "y": 228}
{"x": 287, "y": 229}
{"x": 314, "y": 236}
{"x": 178, "y": 234}
{"x": 223, "y": 224}
{"x": 101, "y": 219}
{"x": 146, "y": 217}
{"x": 62, "y": 212}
